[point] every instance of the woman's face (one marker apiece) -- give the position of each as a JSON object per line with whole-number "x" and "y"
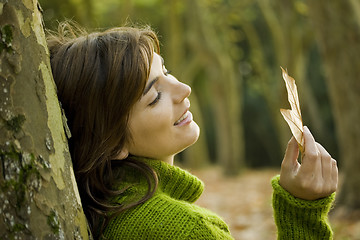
{"x": 160, "y": 123}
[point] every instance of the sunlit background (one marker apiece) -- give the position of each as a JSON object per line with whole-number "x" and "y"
{"x": 230, "y": 53}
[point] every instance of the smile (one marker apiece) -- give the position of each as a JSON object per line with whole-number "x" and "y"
{"x": 184, "y": 119}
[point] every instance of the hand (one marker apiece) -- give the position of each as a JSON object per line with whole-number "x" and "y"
{"x": 317, "y": 175}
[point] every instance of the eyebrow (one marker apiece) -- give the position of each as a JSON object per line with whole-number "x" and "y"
{"x": 148, "y": 87}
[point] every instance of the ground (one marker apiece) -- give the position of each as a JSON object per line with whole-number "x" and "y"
{"x": 244, "y": 202}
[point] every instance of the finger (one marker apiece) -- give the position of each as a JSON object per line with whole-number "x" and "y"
{"x": 326, "y": 163}
{"x": 291, "y": 154}
{"x": 311, "y": 161}
{"x": 334, "y": 173}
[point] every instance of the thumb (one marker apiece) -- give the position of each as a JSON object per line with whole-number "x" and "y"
{"x": 291, "y": 154}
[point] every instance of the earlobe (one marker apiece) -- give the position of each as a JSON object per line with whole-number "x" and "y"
{"x": 124, "y": 153}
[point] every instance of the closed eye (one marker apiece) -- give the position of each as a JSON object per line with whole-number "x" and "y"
{"x": 158, "y": 97}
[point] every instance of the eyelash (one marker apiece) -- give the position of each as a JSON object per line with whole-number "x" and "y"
{"x": 158, "y": 97}
{"x": 166, "y": 72}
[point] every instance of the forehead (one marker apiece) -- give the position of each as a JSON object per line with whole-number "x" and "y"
{"x": 156, "y": 66}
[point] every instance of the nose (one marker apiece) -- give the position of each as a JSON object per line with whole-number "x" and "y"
{"x": 180, "y": 91}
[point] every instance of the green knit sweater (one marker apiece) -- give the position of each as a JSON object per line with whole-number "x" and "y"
{"x": 171, "y": 214}
{"x": 300, "y": 219}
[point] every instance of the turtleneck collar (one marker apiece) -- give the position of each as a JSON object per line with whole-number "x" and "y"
{"x": 174, "y": 181}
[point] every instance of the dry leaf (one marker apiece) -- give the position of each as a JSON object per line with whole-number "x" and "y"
{"x": 293, "y": 116}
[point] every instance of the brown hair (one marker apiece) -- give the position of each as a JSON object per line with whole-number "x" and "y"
{"x": 99, "y": 77}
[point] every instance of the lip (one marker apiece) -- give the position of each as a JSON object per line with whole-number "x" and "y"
{"x": 186, "y": 120}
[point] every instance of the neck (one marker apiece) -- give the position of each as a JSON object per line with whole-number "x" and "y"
{"x": 168, "y": 160}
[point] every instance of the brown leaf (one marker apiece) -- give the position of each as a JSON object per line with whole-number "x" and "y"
{"x": 293, "y": 116}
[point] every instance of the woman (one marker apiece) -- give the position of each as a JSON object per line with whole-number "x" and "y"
{"x": 129, "y": 116}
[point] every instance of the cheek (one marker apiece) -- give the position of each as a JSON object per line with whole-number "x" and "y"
{"x": 150, "y": 134}
{"x": 153, "y": 123}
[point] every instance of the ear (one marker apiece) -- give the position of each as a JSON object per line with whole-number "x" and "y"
{"x": 124, "y": 153}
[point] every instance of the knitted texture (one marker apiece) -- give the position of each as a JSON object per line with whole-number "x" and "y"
{"x": 170, "y": 213}
{"x": 300, "y": 219}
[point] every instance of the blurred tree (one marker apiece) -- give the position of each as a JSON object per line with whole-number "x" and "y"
{"x": 337, "y": 29}
{"x": 55, "y": 11}
{"x": 291, "y": 39}
{"x": 210, "y": 48}
{"x": 89, "y": 16}
{"x": 229, "y": 51}
{"x": 38, "y": 193}
{"x": 277, "y": 33}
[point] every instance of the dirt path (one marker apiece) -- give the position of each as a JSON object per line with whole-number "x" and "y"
{"x": 244, "y": 202}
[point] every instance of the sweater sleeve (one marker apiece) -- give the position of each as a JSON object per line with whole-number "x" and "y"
{"x": 296, "y": 218}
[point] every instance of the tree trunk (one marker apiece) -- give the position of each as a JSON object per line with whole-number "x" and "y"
{"x": 209, "y": 40}
{"x": 338, "y": 35}
{"x": 38, "y": 193}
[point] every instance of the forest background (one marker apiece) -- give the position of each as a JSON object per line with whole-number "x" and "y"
{"x": 230, "y": 53}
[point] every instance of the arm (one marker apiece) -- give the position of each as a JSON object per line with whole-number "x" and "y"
{"x": 303, "y": 193}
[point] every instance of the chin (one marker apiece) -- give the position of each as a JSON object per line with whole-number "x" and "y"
{"x": 194, "y": 136}
{"x": 197, "y": 133}
{"x": 190, "y": 138}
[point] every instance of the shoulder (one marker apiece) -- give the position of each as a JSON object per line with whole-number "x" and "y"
{"x": 163, "y": 217}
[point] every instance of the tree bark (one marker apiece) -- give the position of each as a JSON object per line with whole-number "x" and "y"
{"x": 338, "y": 35}
{"x": 38, "y": 193}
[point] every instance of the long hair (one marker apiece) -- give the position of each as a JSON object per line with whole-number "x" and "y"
{"x": 99, "y": 77}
